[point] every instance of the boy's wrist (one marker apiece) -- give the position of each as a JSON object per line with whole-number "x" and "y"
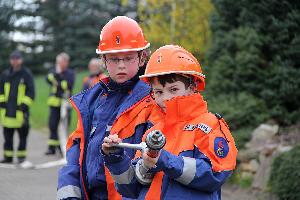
{"x": 161, "y": 163}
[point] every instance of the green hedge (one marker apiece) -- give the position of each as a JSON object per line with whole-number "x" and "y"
{"x": 241, "y": 111}
{"x": 285, "y": 175}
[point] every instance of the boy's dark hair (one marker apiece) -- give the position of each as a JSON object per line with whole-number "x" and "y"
{"x": 171, "y": 78}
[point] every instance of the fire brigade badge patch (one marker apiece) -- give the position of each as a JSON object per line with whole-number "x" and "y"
{"x": 221, "y": 147}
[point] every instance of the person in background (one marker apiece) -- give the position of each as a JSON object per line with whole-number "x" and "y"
{"x": 17, "y": 93}
{"x": 96, "y": 69}
{"x": 61, "y": 80}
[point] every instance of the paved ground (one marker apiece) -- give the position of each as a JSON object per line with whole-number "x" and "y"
{"x": 19, "y": 184}
{"x": 33, "y": 184}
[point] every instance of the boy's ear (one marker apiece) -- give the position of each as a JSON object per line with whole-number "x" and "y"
{"x": 193, "y": 87}
{"x": 102, "y": 57}
{"x": 143, "y": 58}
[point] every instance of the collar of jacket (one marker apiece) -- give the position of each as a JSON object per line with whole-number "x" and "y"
{"x": 185, "y": 108}
{"x": 121, "y": 87}
{"x": 86, "y": 100}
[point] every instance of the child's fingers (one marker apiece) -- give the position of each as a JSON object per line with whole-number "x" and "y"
{"x": 107, "y": 140}
{"x": 148, "y": 158}
{"x": 114, "y": 138}
{"x": 106, "y": 145}
{"x": 148, "y": 161}
{"x": 119, "y": 140}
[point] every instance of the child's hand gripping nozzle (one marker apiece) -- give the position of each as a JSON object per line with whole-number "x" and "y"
{"x": 154, "y": 142}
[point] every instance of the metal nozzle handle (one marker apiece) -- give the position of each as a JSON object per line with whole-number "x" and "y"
{"x": 140, "y": 146}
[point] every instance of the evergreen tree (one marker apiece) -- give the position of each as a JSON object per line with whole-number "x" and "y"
{"x": 74, "y": 26}
{"x": 48, "y": 27}
{"x": 255, "y": 50}
{"x": 7, "y": 19}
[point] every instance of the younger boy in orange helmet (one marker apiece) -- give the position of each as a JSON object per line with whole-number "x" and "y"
{"x": 200, "y": 152}
{"x": 121, "y": 100}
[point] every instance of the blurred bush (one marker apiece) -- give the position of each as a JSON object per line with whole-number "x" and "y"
{"x": 243, "y": 113}
{"x": 285, "y": 175}
{"x": 242, "y": 136}
{"x": 255, "y": 49}
{"x": 240, "y": 111}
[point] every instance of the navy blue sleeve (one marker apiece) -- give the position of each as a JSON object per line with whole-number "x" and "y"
{"x": 195, "y": 172}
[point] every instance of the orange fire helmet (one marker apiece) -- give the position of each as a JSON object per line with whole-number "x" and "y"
{"x": 171, "y": 59}
{"x": 121, "y": 34}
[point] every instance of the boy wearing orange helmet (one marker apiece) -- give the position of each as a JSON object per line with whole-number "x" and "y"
{"x": 115, "y": 102}
{"x": 200, "y": 151}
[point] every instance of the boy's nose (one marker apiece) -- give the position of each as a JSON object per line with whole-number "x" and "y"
{"x": 121, "y": 64}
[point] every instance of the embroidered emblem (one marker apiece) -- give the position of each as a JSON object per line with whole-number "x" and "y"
{"x": 118, "y": 40}
{"x": 221, "y": 147}
{"x": 203, "y": 127}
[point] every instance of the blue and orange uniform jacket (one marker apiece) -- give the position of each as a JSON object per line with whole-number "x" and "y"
{"x": 108, "y": 107}
{"x": 198, "y": 157}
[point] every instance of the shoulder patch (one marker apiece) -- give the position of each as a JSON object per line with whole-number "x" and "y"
{"x": 221, "y": 147}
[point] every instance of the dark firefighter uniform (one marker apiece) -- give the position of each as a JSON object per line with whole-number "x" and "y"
{"x": 16, "y": 96}
{"x": 61, "y": 87}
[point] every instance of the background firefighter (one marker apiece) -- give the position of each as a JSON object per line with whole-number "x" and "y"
{"x": 16, "y": 95}
{"x": 61, "y": 79}
{"x": 96, "y": 70}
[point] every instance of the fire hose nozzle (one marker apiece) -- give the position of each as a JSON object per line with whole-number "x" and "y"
{"x": 154, "y": 142}
{"x": 141, "y": 146}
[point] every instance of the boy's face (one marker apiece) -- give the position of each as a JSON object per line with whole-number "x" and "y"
{"x": 122, "y": 66}
{"x": 170, "y": 90}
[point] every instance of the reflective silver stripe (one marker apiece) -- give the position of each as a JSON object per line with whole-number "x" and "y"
{"x": 124, "y": 178}
{"x": 68, "y": 191}
{"x": 108, "y": 128}
{"x": 188, "y": 172}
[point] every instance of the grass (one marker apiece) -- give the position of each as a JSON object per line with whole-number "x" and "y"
{"x": 40, "y": 110}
